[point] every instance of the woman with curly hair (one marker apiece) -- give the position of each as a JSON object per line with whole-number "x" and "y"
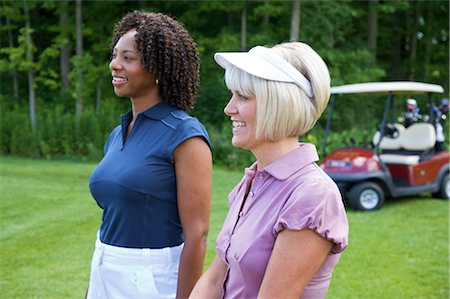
{"x": 154, "y": 181}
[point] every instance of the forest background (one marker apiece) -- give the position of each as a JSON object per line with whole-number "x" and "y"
{"x": 57, "y": 101}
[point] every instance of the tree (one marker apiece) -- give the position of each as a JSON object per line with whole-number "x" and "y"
{"x": 428, "y": 39}
{"x": 79, "y": 55}
{"x": 12, "y": 13}
{"x": 64, "y": 61}
{"x": 295, "y": 21}
{"x": 359, "y": 40}
{"x": 266, "y": 16}
{"x": 30, "y": 69}
{"x": 15, "y": 82}
{"x": 373, "y": 29}
{"x": 244, "y": 28}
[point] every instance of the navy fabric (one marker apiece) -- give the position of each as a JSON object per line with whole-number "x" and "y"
{"x": 135, "y": 182}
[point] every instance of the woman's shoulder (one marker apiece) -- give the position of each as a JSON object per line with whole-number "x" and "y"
{"x": 184, "y": 126}
{"x": 178, "y": 117}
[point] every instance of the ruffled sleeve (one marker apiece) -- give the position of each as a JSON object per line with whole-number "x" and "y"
{"x": 316, "y": 204}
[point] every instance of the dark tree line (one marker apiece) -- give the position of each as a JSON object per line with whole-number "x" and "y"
{"x": 55, "y": 93}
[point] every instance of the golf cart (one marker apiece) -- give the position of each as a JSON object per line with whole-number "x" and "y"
{"x": 400, "y": 162}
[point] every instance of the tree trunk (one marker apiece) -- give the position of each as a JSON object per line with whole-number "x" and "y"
{"x": 295, "y": 21}
{"x": 244, "y": 28}
{"x": 373, "y": 29}
{"x": 29, "y": 55}
{"x": 79, "y": 53}
{"x": 64, "y": 58}
{"x": 32, "y": 101}
{"x": 98, "y": 96}
{"x": 412, "y": 39}
{"x": 395, "y": 65}
{"x": 266, "y": 17}
{"x": 428, "y": 41}
{"x": 15, "y": 82}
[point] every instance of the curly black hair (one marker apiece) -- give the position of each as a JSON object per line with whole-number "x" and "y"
{"x": 168, "y": 51}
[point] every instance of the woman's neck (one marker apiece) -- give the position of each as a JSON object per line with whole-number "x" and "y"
{"x": 273, "y": 150}
{"x": 139, "y": 105}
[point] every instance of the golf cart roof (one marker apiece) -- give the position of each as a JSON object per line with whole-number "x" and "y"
{"x": 398, "y": 87}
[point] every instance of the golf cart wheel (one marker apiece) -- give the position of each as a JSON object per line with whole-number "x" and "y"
{"x": 366, "y": 196}
{"x": 444, "y": 188}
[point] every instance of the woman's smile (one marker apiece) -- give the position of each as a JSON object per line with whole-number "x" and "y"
{"x": 118, "y": 81}
{"x": 238, "y": 124}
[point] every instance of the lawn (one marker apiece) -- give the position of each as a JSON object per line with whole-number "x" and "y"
{"x": 49, "y": 220}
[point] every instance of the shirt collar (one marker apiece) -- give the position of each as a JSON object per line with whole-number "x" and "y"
{"x": 284, "y": 167}
{"x": 159, "y": 111}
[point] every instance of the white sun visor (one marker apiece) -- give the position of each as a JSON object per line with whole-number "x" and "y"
{"x": 264, "y": 63}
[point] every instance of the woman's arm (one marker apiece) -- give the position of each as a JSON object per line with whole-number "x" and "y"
{"x": 193, "y": 168}
{"x": 210, "y": 284}
{"x": 296, "y": 257}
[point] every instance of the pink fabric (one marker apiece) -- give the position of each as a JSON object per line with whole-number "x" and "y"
{"x": 290, "y": 193}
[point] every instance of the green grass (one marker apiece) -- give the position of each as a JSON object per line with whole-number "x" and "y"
{"x": 49, "y": 220}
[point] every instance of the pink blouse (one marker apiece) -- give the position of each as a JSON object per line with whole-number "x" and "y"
{"x": 291, "y": 193}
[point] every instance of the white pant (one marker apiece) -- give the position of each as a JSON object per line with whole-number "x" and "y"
{"x": 118, "y": 272}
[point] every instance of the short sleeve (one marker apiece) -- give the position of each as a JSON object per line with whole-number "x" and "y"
{"x": 186, "y": 128}
{"x": 316, "y": 204}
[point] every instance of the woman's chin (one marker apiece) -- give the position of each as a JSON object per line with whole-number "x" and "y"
{"x": 238, "y": 144}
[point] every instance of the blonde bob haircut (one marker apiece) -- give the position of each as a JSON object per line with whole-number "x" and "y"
{"x": 282, "y": 108}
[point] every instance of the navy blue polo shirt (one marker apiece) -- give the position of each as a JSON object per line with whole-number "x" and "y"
{"x": 135, "y": 182}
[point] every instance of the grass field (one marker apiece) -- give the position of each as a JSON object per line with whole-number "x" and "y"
{"x": 49, "y": 220}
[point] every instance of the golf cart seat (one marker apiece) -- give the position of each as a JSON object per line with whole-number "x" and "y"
{"x": 415, "y": 141}
{"x": 388, "y": 142}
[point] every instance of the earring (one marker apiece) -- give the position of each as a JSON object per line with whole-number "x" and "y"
{"x": 157, "y": 81}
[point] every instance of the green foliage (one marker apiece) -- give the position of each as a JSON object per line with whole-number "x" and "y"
{"x": 48, "y": 76}
{"x": 82, "y": 68}
{"x": 336, "y": 29}
{"x": 56, "y": 133}
{"x": 224, "y": 153}
{"x": 350, "y": 138}
{"x": 352, "y": 66}
{"x": 88, "y": 136}
{"x": 18, "y": 57}
{"x": 22, "y": 141}
{"x": 59, "y": 135}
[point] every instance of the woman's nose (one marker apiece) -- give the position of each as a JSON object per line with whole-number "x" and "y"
{"x": 230, "y": 108}
{"x": 113, "y": 64}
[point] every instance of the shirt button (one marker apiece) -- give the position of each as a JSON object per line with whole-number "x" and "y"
{"x": 250, "y": 194}
{"x": 241, "y": 213}
{"x": 261, "y": 176}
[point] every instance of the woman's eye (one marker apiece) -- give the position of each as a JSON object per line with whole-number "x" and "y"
{"x": 113, "y": 56}
{"x": 242, "y": 97}
{"x": 239, "y": 96}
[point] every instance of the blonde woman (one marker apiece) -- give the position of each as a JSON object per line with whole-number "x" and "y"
{"x": 286, "y": 226}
